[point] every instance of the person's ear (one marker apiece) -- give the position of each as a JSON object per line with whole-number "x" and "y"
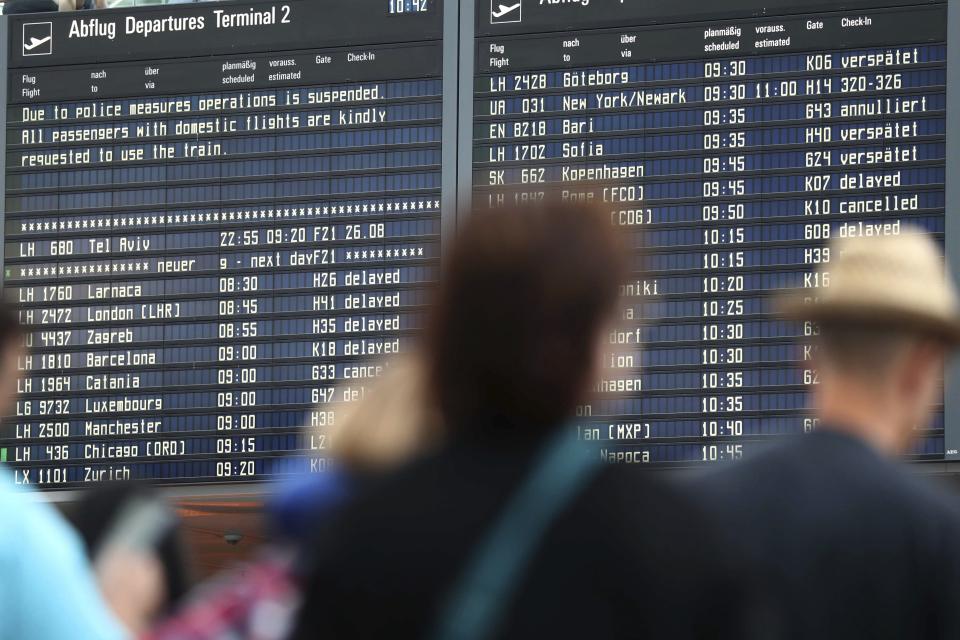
{"x": 921, "y": 363}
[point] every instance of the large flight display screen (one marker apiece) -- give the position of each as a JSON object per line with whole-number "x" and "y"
{"x": 730, "y": 141}
{"x": 221, "y": 220}
{"x": 214, "y": 216}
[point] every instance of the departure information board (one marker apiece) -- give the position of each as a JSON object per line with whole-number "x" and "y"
{"x": 215, "y": 216}
{"x": 220, "y": 220}
{"x": 729, "y": 148}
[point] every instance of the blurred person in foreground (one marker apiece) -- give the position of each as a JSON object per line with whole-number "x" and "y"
{"x": 47, "y": 588}
{"x": 512, "y": 529}
{"x": 854, "y": 545}
{"x": 134, "y": 519}
{"x": 393, "y": 422}
{"x": 12, "y": 7}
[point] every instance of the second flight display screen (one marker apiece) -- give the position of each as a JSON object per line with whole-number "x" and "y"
{"x": 730, "y": 151}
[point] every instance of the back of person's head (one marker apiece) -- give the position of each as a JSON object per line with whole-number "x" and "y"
{"x": 892, "y": 371}
{"x": 515, "y": 335}
{"x": 888, "y": 295}
{"x": 868, "y": 353}
{"x": 887, "y": 321}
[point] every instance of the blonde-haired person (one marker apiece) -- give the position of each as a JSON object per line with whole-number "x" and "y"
{"x": 395, "y": 421}
{"x": 392, "y": 423}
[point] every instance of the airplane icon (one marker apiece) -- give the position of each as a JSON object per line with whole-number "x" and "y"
{"x": 38, "y": 39}
{"x": 35, "y": 42}
{"x": 505, "y": 13}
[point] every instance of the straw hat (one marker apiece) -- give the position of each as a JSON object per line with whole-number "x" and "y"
{"x": 889, "y": 281}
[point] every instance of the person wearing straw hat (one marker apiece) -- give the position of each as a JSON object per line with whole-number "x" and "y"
{"x": 852, "y": 543}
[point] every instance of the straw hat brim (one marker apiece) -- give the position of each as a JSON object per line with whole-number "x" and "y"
{"x": 877, "y": 314}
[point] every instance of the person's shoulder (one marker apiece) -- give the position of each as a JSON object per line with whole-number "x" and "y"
{"x": 766, "y": 470}
{"x": 655, "y": 521}
{"x": 614, "y": 482}
{"x": 826, "y": 471}
{"x": 631, "y": 498}
{"x": 804, "y": 463}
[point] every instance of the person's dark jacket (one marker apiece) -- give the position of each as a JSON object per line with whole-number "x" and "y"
{"x": 630, "y": 557}
{"x": 29, "y": 6}
{"x": 851, "y": 544}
